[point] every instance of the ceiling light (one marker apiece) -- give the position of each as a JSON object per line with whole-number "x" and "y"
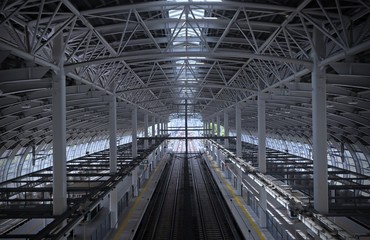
{"x": 26, "y": 106}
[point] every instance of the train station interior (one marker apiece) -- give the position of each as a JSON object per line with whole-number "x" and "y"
{"x": 184, "y": 119}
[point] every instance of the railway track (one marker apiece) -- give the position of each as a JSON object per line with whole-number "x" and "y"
{"x": 187, "y": 203}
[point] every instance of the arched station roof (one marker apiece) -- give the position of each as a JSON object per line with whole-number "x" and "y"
{"x": 158, "y": 54}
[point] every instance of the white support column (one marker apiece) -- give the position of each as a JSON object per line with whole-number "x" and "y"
{"x": 218, "y": 128}
{"x": 206, "y": 125}
{"x": 213, "y": 127}
{"x": 162, "y": 128}
{"x": 261, "y": 132}
{"x": 319, "y": 129}
{"x": 159, "y": 128}
{"x": 134, "y": 179}
{"x": 205, "y": 128}
{"x": 226, "y": 128}
{"x": 113, "y": 207}
{"x": 215, "y": 154}
{"x": 134, "y": 132}
{"x": 59, "y": 131}
{"x": 262, "y": 206}
{"x": 146, "y": 129}
{"x": 221, "y": 158}
{"x": 147, "y": 170}
{"x": 238, "y": 127}
{"x": 153, "y": 129}
{"x": 239, "y": 182}
{"x": 152, "y": 160}
{"x": 214, "y": 149}
{"x": 113, "y": 134}
{"x": 209, "y": 131}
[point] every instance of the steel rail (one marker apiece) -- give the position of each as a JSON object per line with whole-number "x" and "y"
{"x": 199, "y": 208}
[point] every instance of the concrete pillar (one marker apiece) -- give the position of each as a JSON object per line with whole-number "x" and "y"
{"x": 262, "y": 206}
{"x": 113, "y": 134}
{"x": 226, "y": 128}
{"x": 160, "y": 152}
{"x": 213, "y": 127}
{"x": 209, "y": 125}
{"x": 215, "y": 154}
{"x": 150, "y": 160}
{"x": 162, "y": 128}
{"x": 146, "y": 129}
{"x": 239, "y": 182}
{"x": 158, "y": 127}
{"x": 210, "y": 150}
{"x": 165, "y": 128}
{"x": 134, "y": 178}
{"x": 319, "y": 128}
{"x": 113, "y": 207}
{"x": 221, "y": 158}
{"x": 59, "y": 130}
{"x": 238, "y": 128}
{"x": 147, "y": 171}
{"x": 206, "y": 128}
{"x": 218, "y": 128}
{"x": 153, "y": 129}
{"x": 261, "y": 132}
{"x": 134, "y": 132}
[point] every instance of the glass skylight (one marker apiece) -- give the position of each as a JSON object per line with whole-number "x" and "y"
{"x": 185, "y": 37}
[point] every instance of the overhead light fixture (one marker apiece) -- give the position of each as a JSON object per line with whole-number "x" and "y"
{"x": 26, "y": 106}
{"x": 329, "y": 105}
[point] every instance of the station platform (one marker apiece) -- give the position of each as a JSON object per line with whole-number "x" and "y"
{"x": 131, "y": 217}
